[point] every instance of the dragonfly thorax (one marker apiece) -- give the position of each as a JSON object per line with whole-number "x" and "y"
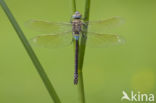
{"x": 76, "y": 26}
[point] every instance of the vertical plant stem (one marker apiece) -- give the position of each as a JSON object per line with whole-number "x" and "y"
{"x": 74, "y": 5}
{"x": 31, "y": 54}
{"x": 81, "y": 91}
{"x": 87, "y": 11}
{"x": 82, "y": 50}
{"x": 84, "y": 39}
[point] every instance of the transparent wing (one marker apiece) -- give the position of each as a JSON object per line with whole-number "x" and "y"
{"x": 103, "y": 40}
{"x": 105, "y": 24}
{"x": 48, "y": 27}
{"x": 52, "y": 40}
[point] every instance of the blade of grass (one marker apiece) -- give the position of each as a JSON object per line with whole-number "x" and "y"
{"x": 31, "y": 53}
{"x": 84, "y": 39}
{"x": 82, "y": 50}
{"x": 74, "y": 5}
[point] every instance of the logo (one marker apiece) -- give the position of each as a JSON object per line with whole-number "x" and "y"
{"x": 140, "y": 97}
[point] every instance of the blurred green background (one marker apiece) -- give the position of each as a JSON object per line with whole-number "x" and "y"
{"x": 107, "y": 71}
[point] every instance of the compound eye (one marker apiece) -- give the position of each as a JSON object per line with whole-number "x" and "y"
{"x": 77, "y": 12}
{"x": 74, "y": 16}
{"x": 79, "y": 16}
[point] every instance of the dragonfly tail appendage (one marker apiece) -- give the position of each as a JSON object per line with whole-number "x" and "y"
{"x": 76, "y": 62}
{"x": 75, "y": 78}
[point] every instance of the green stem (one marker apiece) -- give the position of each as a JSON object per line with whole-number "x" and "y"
{"x": 87, "y": 11}
{"x": 81, "y": 88}
{"x": 82, "y": 50}
{"x": 31, "y": 54}
{"x": 84, "y": 39}
{"x": 74, "y": 5}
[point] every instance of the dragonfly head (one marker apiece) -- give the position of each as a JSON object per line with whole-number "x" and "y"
{"x": 77, "y": 15}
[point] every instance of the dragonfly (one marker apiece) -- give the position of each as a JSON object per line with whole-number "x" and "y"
{"x": 58, "y": 34}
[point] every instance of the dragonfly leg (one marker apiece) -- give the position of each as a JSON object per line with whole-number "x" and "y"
{"x": 71, "y": 19}
{"x": 85, "y": 25}
{"x": 83, "y": 35}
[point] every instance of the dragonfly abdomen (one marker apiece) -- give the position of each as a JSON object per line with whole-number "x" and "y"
{"x": 76, "y": 29}
{"x": 76, "y": 61}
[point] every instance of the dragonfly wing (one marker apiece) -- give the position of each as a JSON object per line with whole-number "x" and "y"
{"x": 105, "y": 24}
{"x": 103, "y": 40}
{"x": 48, "y": 27}
{"x": 52, "y": 40}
